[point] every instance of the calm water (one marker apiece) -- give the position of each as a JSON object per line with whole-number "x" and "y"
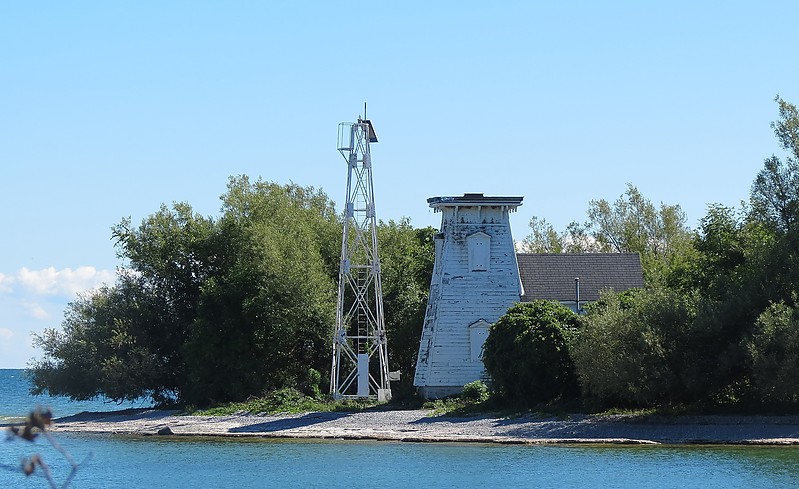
{"x": 190, "y": 463}
{"x": 15, "y": 401}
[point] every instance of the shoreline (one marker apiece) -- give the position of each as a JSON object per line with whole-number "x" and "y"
{"x": 422, "y": 426}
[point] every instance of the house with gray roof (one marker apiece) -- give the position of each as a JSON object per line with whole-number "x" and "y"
{"x": 576, "y": 278}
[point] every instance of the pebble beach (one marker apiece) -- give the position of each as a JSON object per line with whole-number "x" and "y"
{"x": 425, "y": 426}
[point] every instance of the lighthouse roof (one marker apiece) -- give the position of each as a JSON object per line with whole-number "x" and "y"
{"x": 473, "y": 199}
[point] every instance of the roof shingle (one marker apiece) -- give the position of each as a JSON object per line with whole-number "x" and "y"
{"x": 551, "y": 275}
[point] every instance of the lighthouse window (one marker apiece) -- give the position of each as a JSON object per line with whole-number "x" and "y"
{"x": 479, "y": 245}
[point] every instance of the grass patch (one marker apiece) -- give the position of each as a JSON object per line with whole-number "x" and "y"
{"x": 628, "y": 412}
{"x": 475, "y": 398}
{"x": 663, "y": 411}
{"x": 453, "y": 406}
{"x": 284, "y": 401}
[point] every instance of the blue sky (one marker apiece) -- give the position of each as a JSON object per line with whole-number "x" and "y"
{"x": 111, "y": 108}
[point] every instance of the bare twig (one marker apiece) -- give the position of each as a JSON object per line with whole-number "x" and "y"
{"x": 36, "y": 424}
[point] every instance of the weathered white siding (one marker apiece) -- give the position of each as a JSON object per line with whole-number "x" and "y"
{"x": 465, "y": 293}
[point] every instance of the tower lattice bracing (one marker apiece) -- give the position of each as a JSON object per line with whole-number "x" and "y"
{"x": 360, "y": 357}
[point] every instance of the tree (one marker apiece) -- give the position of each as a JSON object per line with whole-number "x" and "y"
{"x": 406, "y": 260}
{"x": 752, "y": 258}
{"x": 713, "y": 325}
{"x": 632, "y": 224}
{"x": 721, "y": 245}
{"x": 208, "y": 310}
{"x": 542, "y": 239}
{"x": 635, "y": 348}
{"x": 774, "y": 204}
{"x": 786, "y": 128}
{"x": 775, "y": 195}
{"x": 773, "y": 351}
{"x": 527, "y": 355}
{"x": 267, "y": 314}
{"x": 125, "y": 341}
{"x": 745, "y": 262}
{"x": 108, "y": 346}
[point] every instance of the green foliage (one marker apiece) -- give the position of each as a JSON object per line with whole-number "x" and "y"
{"x": 406, "y": 260}
{"x": 775, "y": 191}
{"x": 119, "y": 341}
{"x": 773, "y": 351}
{"x": 636, "y": 349}
{"x": 285, "y": 400}
{"x": 631, "y": 224}
{"x": 266, "y": 315}
{"x": 209, "y": 310}
{"x": 774, "y": 211}
{"x": 527, "y": 355}
{"x": 712, "y": 328}
{"x": 721, "y": 245}
{"x": 746, "y": 261}
{"x": 475, "y": 391}
{"x": 775, "y": 195}
{"x": 543, "y": 238}
{"x": 475, "y": 397}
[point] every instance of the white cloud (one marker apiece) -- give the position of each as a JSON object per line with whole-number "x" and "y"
{"x": 6, "y": 333}
{"x": 65, "y": 282}
{"x": 36, "y": 310}
{"x": 5, "y": 282}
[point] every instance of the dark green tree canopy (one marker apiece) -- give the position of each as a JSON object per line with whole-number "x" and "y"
{"x": 527, "y": 355}
{"x": 773, "y": 353}
{"x": 406, "y": 260}
{"x": 206, "y": 310}
{"x": 635, "y": 348}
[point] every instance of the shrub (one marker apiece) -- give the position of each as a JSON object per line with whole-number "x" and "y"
{"x": 639, "y": 348}
{"x": 475, "y": 391}
{"x": 773, "y": 351}
{"x": 527, "y": 355}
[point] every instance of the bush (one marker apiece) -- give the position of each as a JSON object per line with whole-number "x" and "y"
{"x": 475, "y": 391}
{"x": 638, "y": 348}
{"x": 773, "y": 351}
{"x": 527, "y": 355}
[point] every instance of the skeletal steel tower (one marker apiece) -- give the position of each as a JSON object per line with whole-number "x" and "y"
{"x": 360, "y": 357}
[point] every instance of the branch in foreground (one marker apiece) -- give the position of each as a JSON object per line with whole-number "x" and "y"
{"x": 37, "y": 423}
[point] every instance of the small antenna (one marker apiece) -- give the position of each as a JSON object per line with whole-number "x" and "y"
{"x": 364, "y": 111}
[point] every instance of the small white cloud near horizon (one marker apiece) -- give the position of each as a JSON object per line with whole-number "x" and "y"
{"x": 6, "y": 333}
{"x": 64, "y": 282}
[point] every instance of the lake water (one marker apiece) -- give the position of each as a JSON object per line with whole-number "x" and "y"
{"x": 16, "y": 401}
{"x": 180, "y": 462}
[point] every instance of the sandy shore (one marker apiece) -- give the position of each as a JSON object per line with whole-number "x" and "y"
{"x": 423, "y": 426}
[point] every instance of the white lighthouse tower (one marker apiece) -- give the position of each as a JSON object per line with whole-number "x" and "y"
{"x": 360, "y": 355}
{"x": 475, "y": 280}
